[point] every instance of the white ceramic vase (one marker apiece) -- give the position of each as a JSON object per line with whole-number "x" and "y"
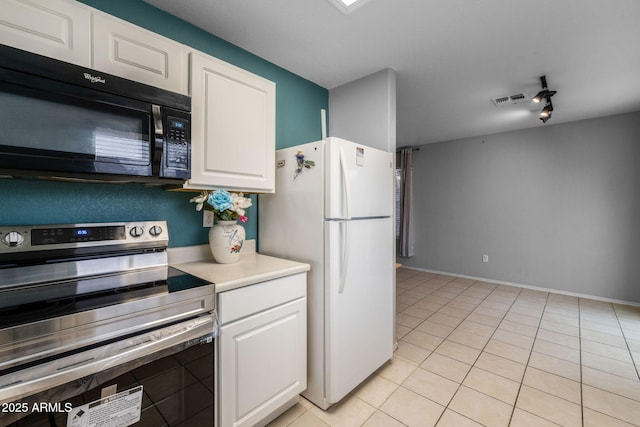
{"x": 226, "y": 239}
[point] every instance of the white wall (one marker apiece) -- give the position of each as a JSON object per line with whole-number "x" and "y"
{"x": 556, "y": 206}
{"x": 364, "y": 111}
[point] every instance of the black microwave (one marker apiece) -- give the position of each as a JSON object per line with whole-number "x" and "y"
{"x": 59, "y": 119}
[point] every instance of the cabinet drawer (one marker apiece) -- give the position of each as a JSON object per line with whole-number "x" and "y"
{"x": 252, "y": 299}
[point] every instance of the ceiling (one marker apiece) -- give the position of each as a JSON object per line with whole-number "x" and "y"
{"x": 451, "y": 56}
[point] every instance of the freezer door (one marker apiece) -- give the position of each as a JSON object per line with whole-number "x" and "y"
{"x": 359, "y": 180}
{"x": 358, "y": 302}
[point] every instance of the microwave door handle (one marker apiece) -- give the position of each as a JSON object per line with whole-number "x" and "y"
{"x": 158, "y": 143}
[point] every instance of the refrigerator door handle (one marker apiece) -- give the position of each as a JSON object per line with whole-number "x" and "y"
{"x": 345, "y": 256}
{"x": 345, "y": 183}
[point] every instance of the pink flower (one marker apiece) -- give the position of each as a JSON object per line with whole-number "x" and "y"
{"x": 243, "y": 218}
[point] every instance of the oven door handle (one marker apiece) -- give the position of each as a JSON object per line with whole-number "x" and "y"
{"x": 34, "y": 379}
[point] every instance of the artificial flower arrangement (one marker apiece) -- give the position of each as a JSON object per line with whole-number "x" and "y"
{"x": 225, "y": 206}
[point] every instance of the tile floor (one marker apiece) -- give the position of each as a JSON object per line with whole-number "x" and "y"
{"x": 473, "y": 353}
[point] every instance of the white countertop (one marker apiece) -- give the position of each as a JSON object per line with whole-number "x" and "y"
{"x": 251, "y": 269}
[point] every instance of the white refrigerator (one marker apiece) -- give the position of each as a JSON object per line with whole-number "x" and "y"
{"x": 333, "y": 209}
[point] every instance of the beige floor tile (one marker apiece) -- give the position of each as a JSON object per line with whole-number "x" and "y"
{"x": 407, "y": 320}
{"x": 289, "y": 416}
{"x": 615, "y": 367}
{"x": 492, "y": 309}
{"x": 562, "y": 319}
{"x": 380, "y": 419}
{"x": 553, "y": 384}
{"x": 522, "y": 318}
{"x": 455, "y": 312}
{"x": 557, "y": 350}
{"x": 426, "y": 304}
{"x": 613, "y": 383}
{"x": 604, "y": 338}
{"x": 446, "y": 367}
{"x": 476, "y": 328}
{"x": 468, "y": 338}
{"x": 401, "y": 331}
{"x": 375, "y": 390}
{"x": 437, "y": 299}
{"x": 422, "y": 339}
{"x": 457, "y": 351}
{"x": 560, "y": 327}
{"x": 418, "y": 312}
{"x": 518, "y": 328}
{"x": 445, "y": 319}
{"x": 513, "y": 338}
{"x": 453, "y": 419}
{"x": 555, "y": 365}
{"x": 549, "y": 407}
{"x": 499, "y": 365}
{"x": 412, "y": 409}
{"x": 397, "y": 370}
{"x": 432, "y": 386}
{"x": 508, "y": 351}
{"x": 606, "y": 328}
{"x": 411, "y": 352}
{"x": 484, "y": 319}
{"x": 492, "y": 384}
{"x": 349, "y": 412}
{"x": 558, "y": 338}
{"x": 522, "y": 418}
{"x": 620, "y": 354}
{"x": 610, "y": 404}
{"x": 592, "y": 418}
{"x": 527, "y": 310}
{"x": 481, "y": 408}
{"x": 602, "y": 317}
{"x": 436, "y": 329}
{"x": 308, "y": 420}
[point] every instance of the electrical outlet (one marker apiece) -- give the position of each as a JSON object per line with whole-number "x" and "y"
{"x": 485, "y": 258}
{"x": 207, "y": 218}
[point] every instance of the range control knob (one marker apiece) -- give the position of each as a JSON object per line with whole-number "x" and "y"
{"x": 136, "y": 231}
{"x": 13, "y": 239}
{"x": 155, "y": 231}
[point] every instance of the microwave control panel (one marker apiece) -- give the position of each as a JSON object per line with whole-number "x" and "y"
{"x": 177, "y": 145}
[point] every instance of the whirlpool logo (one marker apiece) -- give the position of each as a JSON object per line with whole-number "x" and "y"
{"x": 94, "y": 79}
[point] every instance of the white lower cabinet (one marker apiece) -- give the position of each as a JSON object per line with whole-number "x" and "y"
{"x": 262, "y": 350}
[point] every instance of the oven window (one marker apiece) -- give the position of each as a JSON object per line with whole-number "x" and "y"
{"x": 178, "y": 390}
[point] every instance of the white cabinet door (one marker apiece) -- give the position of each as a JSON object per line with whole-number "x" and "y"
{"x": 262, "y": 363}
{"x": 232, "y": 127}
{"x": 55, "y": 28}
{"x": 128, "y": 51}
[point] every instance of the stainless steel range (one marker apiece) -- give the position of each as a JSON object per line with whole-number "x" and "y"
{"x": 92, "y": 315}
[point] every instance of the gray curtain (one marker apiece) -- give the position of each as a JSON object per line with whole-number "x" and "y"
{"x": 406, "y": 200}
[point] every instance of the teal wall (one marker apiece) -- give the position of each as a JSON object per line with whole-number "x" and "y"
{"x": 298, "y": 105}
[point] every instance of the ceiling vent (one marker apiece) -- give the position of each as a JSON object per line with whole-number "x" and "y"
{"x": 518, "y": 98}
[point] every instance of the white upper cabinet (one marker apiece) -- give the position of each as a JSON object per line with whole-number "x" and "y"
{"x": 232, "y": 127}
{"x": 128, "y": 51}
{"x": 55, "y": 28}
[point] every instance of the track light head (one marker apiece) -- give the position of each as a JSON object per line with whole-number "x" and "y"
{"x": 546, "y": 111}
{"x": 540, "y": 96}
{"x": 545, "y": 93}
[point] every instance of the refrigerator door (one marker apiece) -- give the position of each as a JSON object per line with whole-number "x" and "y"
{"x": 358, "y": 302}
{"x": 359, "y": 181}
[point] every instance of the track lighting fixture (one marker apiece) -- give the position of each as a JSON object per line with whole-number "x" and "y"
{"x": 545, "y": 93}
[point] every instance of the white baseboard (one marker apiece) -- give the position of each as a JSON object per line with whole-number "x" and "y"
{"x": 520, "y": 285}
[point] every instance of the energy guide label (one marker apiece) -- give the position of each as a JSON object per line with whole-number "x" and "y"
{"x": 119, "y": 410}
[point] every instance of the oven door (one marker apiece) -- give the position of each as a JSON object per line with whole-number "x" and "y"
{"x": 160, "y": 378}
